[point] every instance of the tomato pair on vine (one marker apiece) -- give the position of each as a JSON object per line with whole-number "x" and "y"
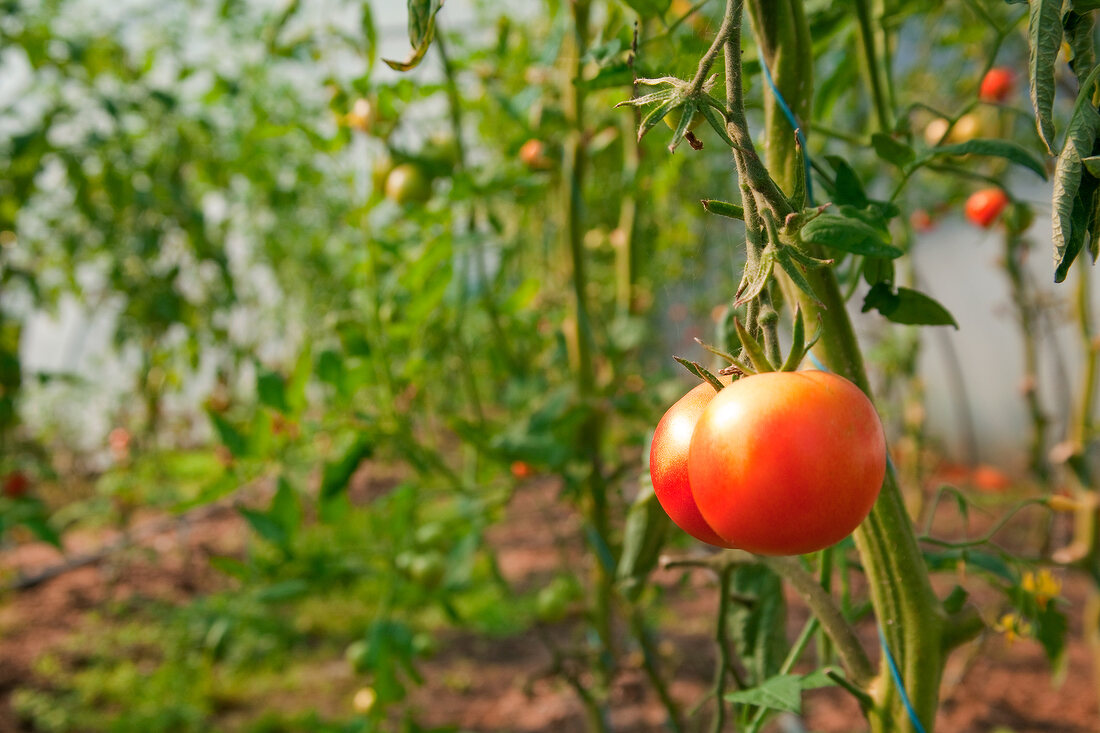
{"x": 777, "y": 463}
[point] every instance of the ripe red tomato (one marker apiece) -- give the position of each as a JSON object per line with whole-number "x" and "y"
{"x": 521, "y": 469}
{"x": 16, "y": 485}
{"x": 984, "y": 206}
{"x": 997, "y": 85}
{"x": 784, "y": 463}
{"x": 668, "y": 464}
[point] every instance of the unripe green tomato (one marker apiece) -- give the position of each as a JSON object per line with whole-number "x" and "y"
{"x": 408, "y": 184}
{"x": 380, "y": 171}
{"x": 432, "y": 535}
{"x": 1018, "y": 217}
{"x": 552, "y": 602}
{"x": 424, "y": 644}
{"x": 672, "y": 119}
{"x": 357, "y": 655}
{"x": 427, "y": 568}
{"x": 443, "y": 148}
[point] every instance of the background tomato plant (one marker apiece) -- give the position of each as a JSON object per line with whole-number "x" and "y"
{"x": 211, "y": 304}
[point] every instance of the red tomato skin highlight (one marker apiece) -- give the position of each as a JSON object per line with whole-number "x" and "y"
{"x": 785, "y": 463}
{"x": 668, "y": 464}
{"x": 984, "y": 206}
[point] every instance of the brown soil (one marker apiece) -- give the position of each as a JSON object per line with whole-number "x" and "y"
{"x": 523, "y": 683}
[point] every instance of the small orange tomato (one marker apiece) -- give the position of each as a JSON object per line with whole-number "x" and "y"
{"x": 997, "y": 85}
{"x": 921, "y": 221}
{"x": 521, "y": 469}
{"x": 668, "y": 458}
{"x": 533, "y": 155}
{"x": 984, "y": 206}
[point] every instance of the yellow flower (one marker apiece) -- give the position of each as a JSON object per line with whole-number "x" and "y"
{"x": 1043, "y": 586}
{"x": 1013, "y": 627}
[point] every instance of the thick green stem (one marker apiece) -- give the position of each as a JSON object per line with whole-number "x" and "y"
{"x": 1015, "y": 252}
{"x": 906, "y": 607}
{"x": 590, "y": 436}
{"x": 650, "y": 662}
{"x": 869, "y": 40}
{"x": 792, "y": 70}
{"x": 722, "y": 644}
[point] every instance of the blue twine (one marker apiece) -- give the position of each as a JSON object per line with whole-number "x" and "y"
{"x": 881, "y": 636}
{"x": 797, "y": 130}
{"x": 897, "y": 681}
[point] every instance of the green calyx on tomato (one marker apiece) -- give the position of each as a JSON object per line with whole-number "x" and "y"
{"x": 779, "y": 463}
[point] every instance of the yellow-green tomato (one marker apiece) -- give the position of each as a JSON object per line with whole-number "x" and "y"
{"x": 672, "y": 119}
{"x": 408, "y": 184}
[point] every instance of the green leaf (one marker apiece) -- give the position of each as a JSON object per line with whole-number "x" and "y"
{"x": 753, "y": 348}
{"x": 951, "y": 559}
{"x": 799, "y": 345}
{"x": 1010, "y": 151}
{"x": 816, "y": 679}
{"x": 907, "y": 306}
{"x": 643, "y": 537}
{"x": 849, "y": 190}
{"x": 758, "y": 627}
{"x": 295, "y": 391}
{"x": 231, "y": 566}
{"x": 798, "y": 195}
{"x": 271, "y": 390}
{"x": 878, "y": 270}
{"x": 1092, "y": 165}
{"x": 847, "y": 234}
{"x": 716, "y": 118}
{"x": 1074, "y": 187}
{"x": 286, "y": 507}
{"x": 229, "y": 436}
{"x": 755, "y": 278}
{"x": 1051, "y": 627}
{"x": 649, "y": 8}
{"x": 701, "y": 372}
{"x": 956, "y": 599}
{"x": 721, "y": 208}
{"x": 265, "y": 526}
{"x": 782, "y": 692}
{"x": 337, "y": 474}
{"x": 1044, "y": 35}
{"x": 1078, "y": 27}
{"x": 421, "y": 31}
{"x": 790, "y": 262}
{"x": 891, "y": 150}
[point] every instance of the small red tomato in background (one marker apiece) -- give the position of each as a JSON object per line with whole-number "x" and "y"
{"x": 16, "y": 485}
{"x": 533, "y": 155}
{"x": 921, "y": 221}
{"x": 997, "y": 85}
{"x": 119, "y": 441}
{"x": 785, "y": 463}
{"x": 668, "y": 457}
{"x": 984, "y": 206}
{"x": 990, "y": 479}
{"x": 521, "y": 469}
